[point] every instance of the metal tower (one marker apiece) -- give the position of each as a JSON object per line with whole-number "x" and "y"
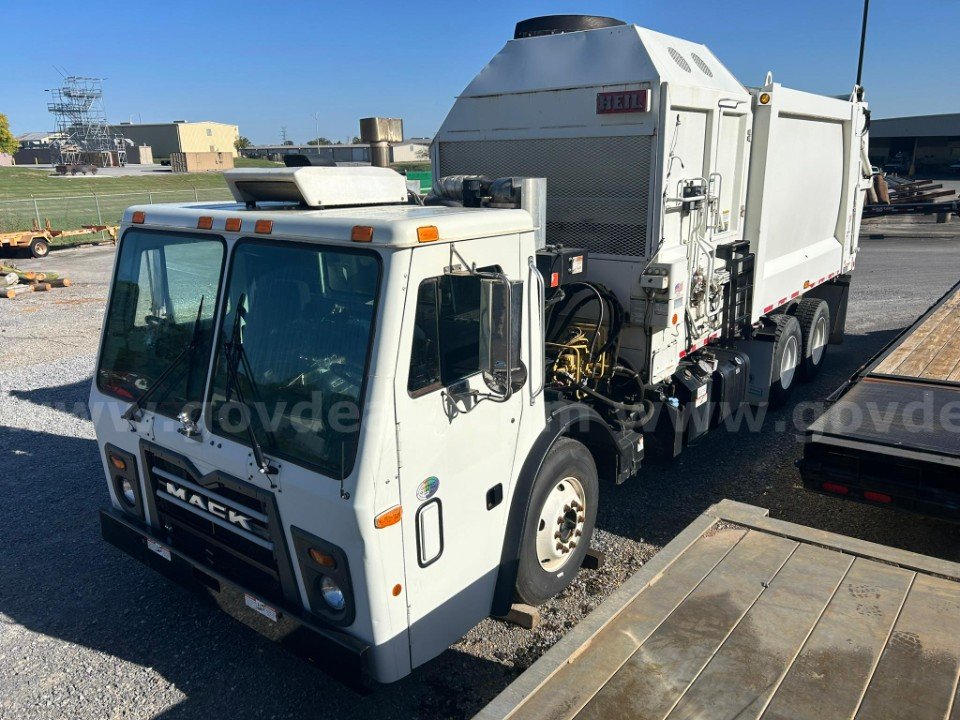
{"x": 85, "y": 136}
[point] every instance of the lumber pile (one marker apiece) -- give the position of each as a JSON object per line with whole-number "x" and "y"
{"x": 14, "y": 281}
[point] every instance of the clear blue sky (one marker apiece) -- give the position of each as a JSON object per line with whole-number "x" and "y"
{"x": 262, "y": 65}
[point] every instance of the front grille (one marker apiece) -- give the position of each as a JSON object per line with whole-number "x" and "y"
{"x": 597, "y": 187}
{"x": 220, "y": 522}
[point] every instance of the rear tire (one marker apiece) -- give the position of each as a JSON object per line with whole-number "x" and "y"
{"x": 787, "y": 354}
{"x": 813, "y": 314}
{"x": 559, "y": 523}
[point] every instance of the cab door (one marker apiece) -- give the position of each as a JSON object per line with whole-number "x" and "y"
{"x": 456, "y": 446}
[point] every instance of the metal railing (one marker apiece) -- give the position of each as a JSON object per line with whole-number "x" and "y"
{"x": 74, "y": 211}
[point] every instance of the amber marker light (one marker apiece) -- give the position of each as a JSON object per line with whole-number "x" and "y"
{"x": 205, "y": 222}
{"x": 388, "y": 517}
{"x": 139, "y": 217}
{"x": 233, "y": 225}
{"x": 361, "y": 233}
{"x": 263, "y": 227}
{"x": 428, "y": 233}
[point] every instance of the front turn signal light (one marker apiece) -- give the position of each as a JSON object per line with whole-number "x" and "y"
{"x": 322, "y": 559}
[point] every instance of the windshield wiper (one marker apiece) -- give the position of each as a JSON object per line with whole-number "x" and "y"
{"x": 235, "y": 354}
{"x": 133, "y": 412}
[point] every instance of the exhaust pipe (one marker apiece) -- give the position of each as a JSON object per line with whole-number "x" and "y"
{"x": 379, "y": 132}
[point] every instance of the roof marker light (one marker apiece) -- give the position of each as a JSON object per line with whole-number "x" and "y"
{"x": 139, "y": 217}
{"x": 361, "y": 233}
{"x": 205, "y": 222}
{"x": 264, "y": 227}
{"x": 428, "y": 233}
{"x": 233, "y": 225}
{"x": 764, "y": 98}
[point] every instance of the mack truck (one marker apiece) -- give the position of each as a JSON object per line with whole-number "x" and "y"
{"x": 364, "y": 420}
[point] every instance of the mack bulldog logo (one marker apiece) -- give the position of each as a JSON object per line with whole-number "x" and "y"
{"x": 214, "y": 508}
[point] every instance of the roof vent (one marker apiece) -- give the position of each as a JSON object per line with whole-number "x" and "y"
{"x": 319, "y": 187}
{"x": 557, "y": 24}
{"x": 680, "y": 59}
{"x": 699, "y": 62}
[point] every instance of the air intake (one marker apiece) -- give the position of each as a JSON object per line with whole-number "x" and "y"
{"x": 557, "y": 24}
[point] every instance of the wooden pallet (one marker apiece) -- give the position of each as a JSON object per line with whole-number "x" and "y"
{"x": 743, "y": 616}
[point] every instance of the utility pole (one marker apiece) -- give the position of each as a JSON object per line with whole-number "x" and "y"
{"x": 316, "y": 116}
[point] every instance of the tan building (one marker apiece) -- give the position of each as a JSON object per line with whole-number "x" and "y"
{"x": 181, "y": 136}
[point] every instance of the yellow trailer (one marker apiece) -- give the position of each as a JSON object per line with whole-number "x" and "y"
{"x": 37, "y": 240}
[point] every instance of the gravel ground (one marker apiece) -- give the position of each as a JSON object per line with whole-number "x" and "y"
{"x": 86, "y": 632}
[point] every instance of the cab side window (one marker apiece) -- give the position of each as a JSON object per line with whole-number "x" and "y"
{"x": 446, "y": 333}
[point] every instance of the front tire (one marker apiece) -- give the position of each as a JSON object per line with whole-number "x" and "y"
{"x": 559, "y": 523}
{"x": 813, "y": 314}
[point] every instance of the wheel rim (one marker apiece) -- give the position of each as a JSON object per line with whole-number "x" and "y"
{"x": 41, "y": 249}
{"x": 788, "y": 362}
{"x": 818, "y": 341}
{"x": 561, "y": 523}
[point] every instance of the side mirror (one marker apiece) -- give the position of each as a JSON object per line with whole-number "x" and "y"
{"x": 501, "y": 315}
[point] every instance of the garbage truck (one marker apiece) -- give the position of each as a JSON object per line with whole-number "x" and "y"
{"x": 363, "y": 419}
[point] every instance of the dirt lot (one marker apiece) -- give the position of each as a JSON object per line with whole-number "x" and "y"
{"x": 86, "y": 632}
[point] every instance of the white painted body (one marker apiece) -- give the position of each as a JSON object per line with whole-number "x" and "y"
{"x": 788, "y": 176}
{"x": 403, "y": 440}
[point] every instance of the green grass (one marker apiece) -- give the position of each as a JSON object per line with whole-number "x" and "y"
{"x": 69, "y": 203}
{"x": 242, "y": 162}
{"x": 18, "y": 183}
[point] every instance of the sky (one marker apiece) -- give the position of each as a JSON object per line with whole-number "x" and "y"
{"x": 264, "y": 66}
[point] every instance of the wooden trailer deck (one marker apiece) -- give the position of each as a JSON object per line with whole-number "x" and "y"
{"x": 891, "y": 435}
{"x": 743, "y": 616}
{"x": 932, "y": 350}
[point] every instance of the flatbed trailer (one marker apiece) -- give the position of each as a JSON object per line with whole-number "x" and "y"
{"x": 891, "y": 435}
{"x": 744, "y": 616}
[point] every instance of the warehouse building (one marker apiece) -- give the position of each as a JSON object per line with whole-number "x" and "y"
{"x": 412, "y": 150}
{"x": 918, "y": 145}
{"x": 181, "y": 136}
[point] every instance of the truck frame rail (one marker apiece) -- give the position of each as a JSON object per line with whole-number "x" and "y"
{"x": 745, "y": 616}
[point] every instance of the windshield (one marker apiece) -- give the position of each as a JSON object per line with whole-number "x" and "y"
{"x": 160, "y": 280}
{"x": 305, "y": 326}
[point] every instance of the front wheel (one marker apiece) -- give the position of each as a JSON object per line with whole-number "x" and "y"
{"x": 559, "y": 523}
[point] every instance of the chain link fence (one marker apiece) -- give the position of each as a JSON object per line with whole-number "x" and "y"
{"x": 73, "y": 212}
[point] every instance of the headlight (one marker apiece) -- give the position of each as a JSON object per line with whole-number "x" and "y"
{"x": 129, "y": 495}
{"x": 332, "y": 594}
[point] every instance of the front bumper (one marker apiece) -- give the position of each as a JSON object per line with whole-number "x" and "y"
{"x": 335, "y": 652}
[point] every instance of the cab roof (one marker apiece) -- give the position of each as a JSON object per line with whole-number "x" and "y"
{"x": 393, "y": 225}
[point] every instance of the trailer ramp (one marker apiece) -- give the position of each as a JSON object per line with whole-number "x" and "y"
{"x": 742, "y": 616}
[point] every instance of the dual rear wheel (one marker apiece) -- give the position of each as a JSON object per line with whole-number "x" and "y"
{"x": 800, "y": 345}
